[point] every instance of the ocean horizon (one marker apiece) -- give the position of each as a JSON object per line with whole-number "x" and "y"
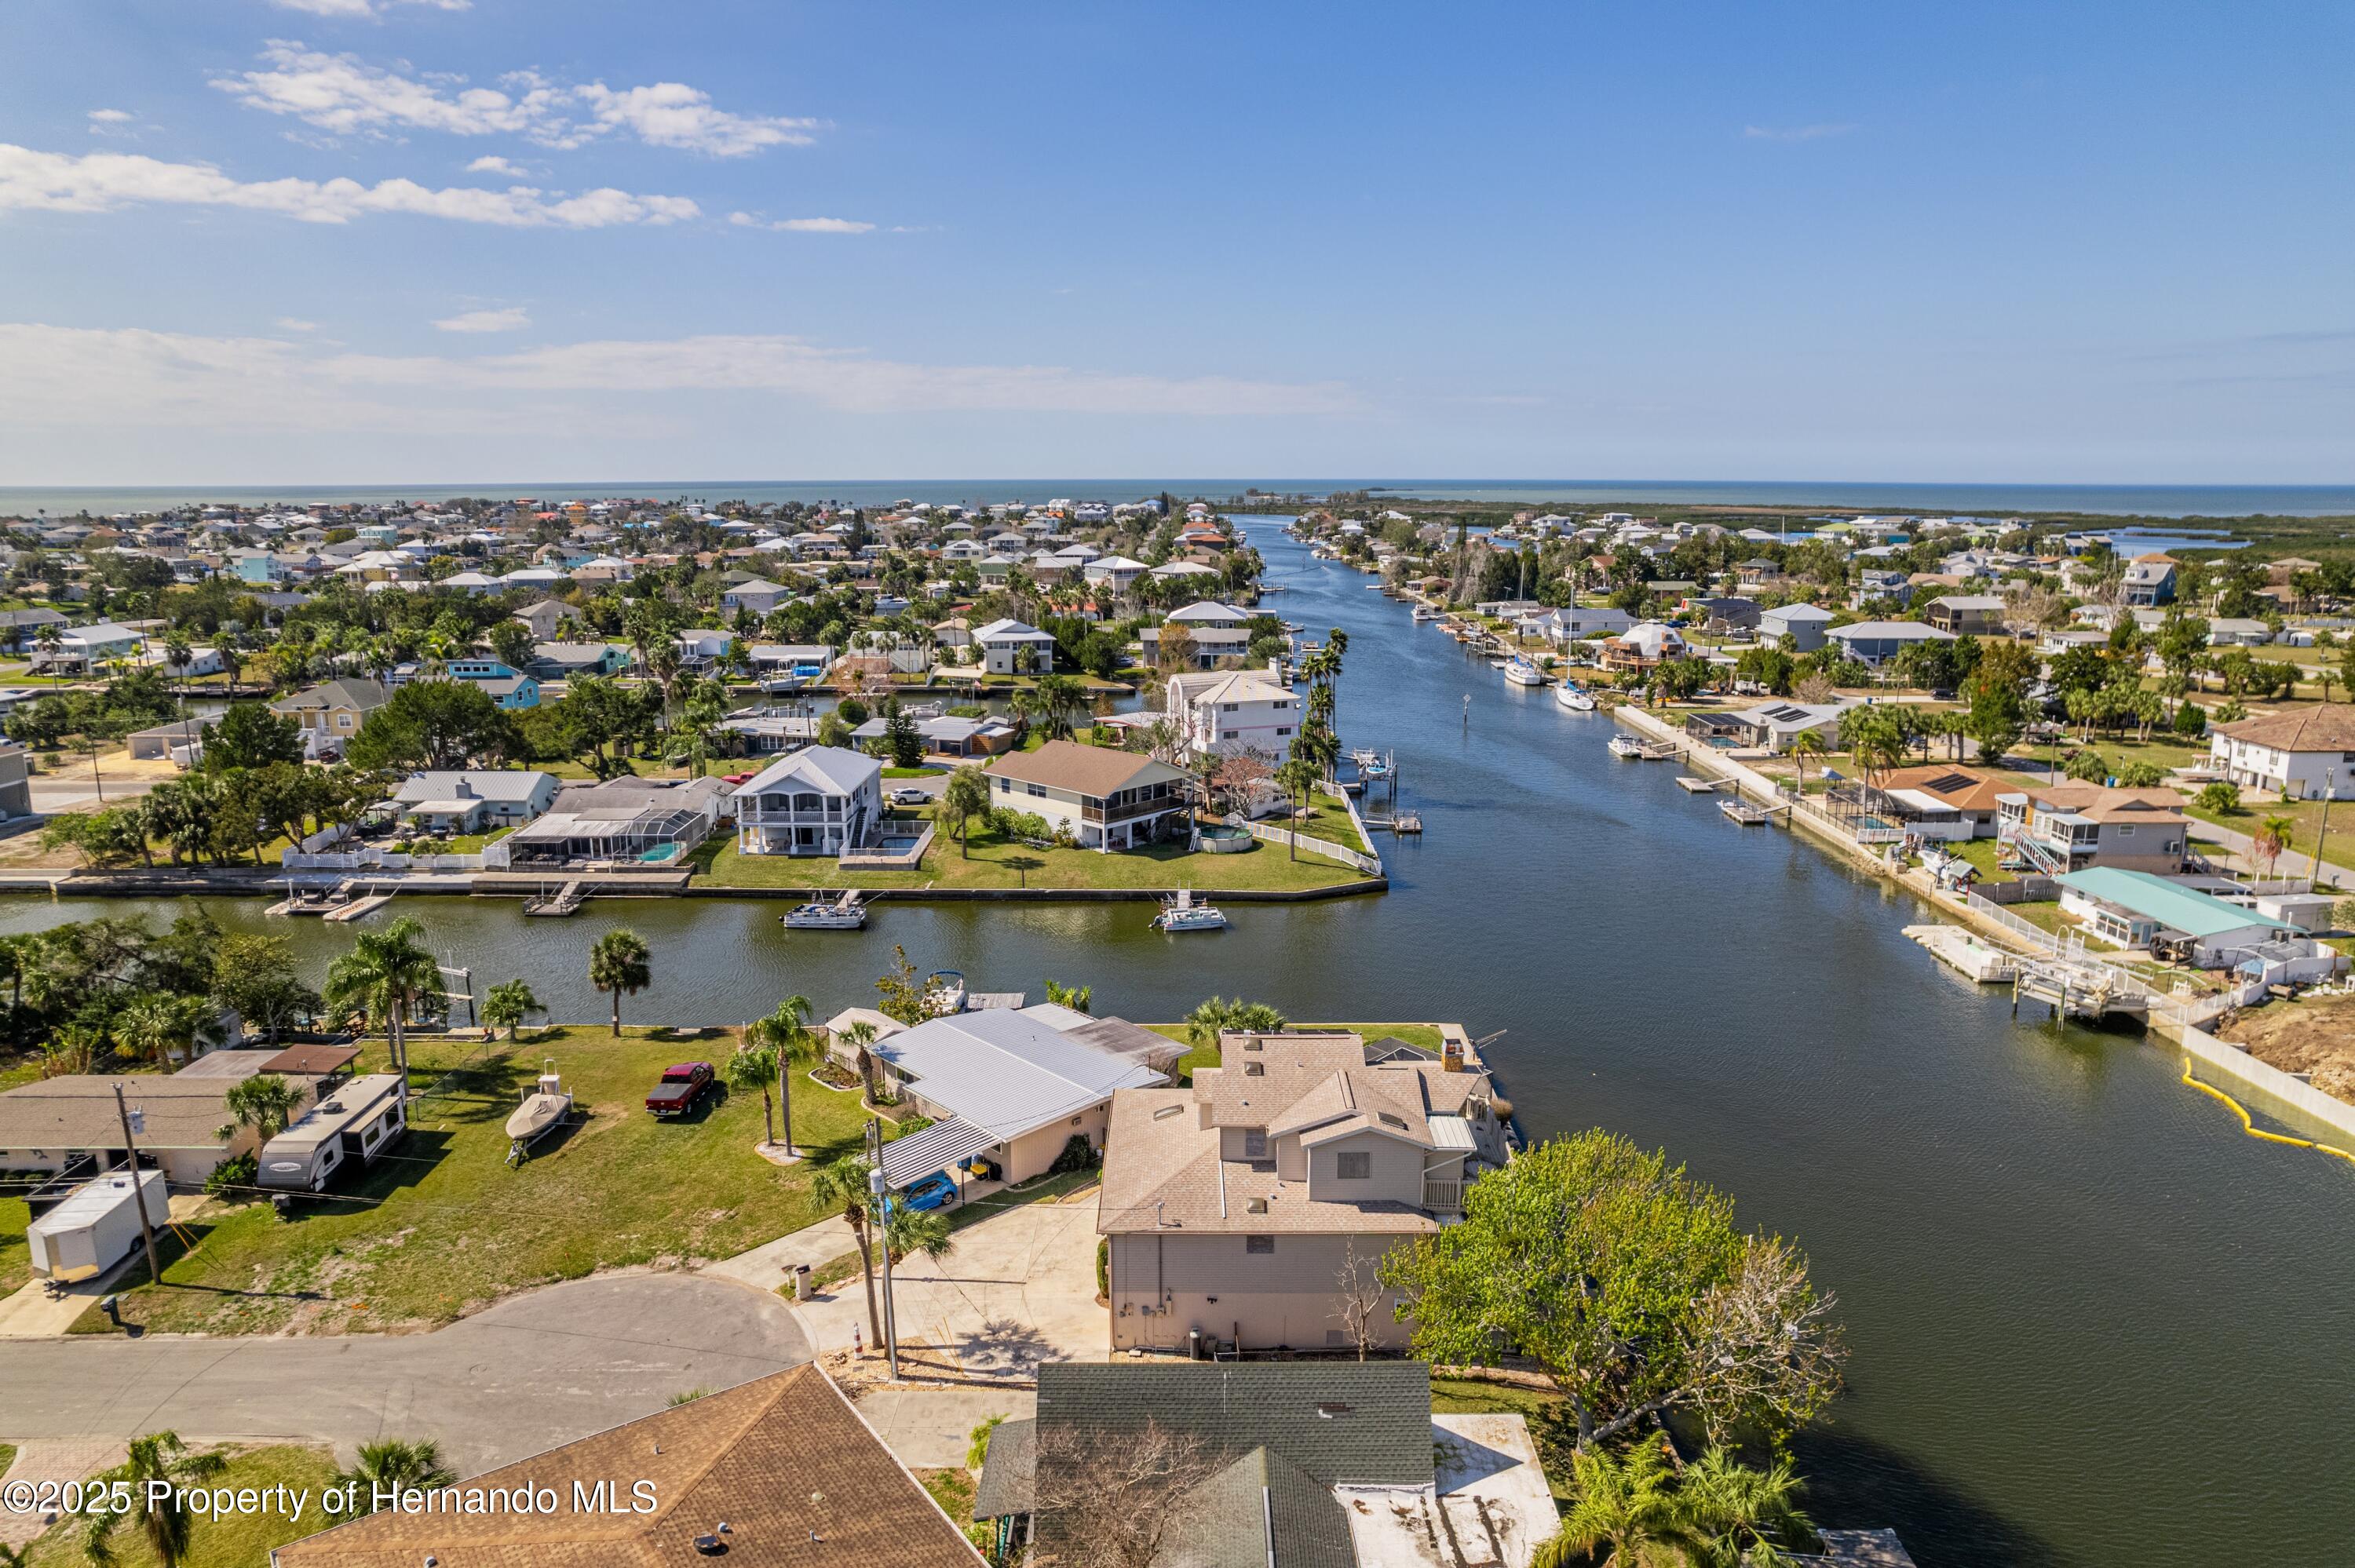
{"x": 2210, "y": 501}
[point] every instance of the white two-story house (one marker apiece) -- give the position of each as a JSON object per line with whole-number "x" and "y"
{"x": 1229, "y": 711}
{"x": 1232, "y": 1207}
{"x": 821, "y": 800}
{"x": 2306, "y": 753}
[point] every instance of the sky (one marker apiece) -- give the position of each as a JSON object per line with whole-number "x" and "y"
{"x": 439, "y": 241}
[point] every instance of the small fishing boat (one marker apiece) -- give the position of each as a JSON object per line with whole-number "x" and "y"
{"x": 1521, "y": 673}
{"x": 1182, "y": 914}
{"x": 1573, "y": 695}
{"x": 847, "y": 912}
{"x": 1626, "y": 747}
{"x": 548, "y": 1103}
{"x": 943, "y": 993}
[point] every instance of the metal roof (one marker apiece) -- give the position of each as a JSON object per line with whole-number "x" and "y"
{"x": 1004, "y": 1070}
{"x": 2171, "y": 904}
{"x": 936, "y": 1147}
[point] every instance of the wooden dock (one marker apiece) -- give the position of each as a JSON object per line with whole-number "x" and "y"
{"x": 566, "y": 900}
{"x": 358, "y": 909}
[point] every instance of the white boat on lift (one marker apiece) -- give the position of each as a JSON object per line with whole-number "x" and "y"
{"x": 1626, "y": 747}
{"x": 1521, "y": 673}
{"x": 548, "y": 1104}
{"x": 1423, "y": 612}
{"x": 1182, "y": 914}
{"x": 943, "y": 993}
{"x": 1575, "y": 697}
{"x": 847, "y": 912}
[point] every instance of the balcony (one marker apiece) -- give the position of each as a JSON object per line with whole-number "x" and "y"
{"x": 1444, "y": 1197}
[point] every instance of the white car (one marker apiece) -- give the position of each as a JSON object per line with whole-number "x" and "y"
{"x": 909, "y": 795}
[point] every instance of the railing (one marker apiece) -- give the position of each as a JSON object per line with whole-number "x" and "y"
{"x": 1444, "y": 1197}
{"x": 378, "y": 860}
{"x": 2035, "y": 935}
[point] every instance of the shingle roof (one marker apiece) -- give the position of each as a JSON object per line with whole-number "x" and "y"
{"x": 2328, "y": 727}
{"x": 1092, "y": 770}
{"x": 801, "y": 1479}
{"x": 76, "y": 1111}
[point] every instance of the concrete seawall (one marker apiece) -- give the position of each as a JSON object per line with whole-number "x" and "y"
{"x": 2262, "y": 1087}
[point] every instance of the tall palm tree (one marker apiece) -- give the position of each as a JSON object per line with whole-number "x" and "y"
{"x": 2271, "y": 840}
{"x": 392, "y": 1466}
{"x": 754, "y": 1066}
{"x": 264, "y": 1102}
{"x": 384, "y": 978}
{"x": 786, "y": 1033}
{"x": 1296, "y": 778}
{"x": 1211, "y": 1016}
{"x": 1806, "y": 743}
{"x": 841, "y": 1185}
{"x": 163, "y": 1519}
{"x": 620, "y": 963}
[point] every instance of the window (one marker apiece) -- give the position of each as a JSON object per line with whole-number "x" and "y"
{"x": 1357, "y": 1166}
{"x": 1259, "y": 1244}
{"x": 1038, "y": 789}
{"x": 1255, "y": 1143}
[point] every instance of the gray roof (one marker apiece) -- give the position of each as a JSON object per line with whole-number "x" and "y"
{"x": 830, "y": 768}
{"x": 1006, "y": 1476}
{"x": 935, "y": 1148}
{"x": 1002, "y": 1070}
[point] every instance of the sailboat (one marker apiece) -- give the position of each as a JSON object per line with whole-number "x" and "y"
{"x": 1573, "y": 695}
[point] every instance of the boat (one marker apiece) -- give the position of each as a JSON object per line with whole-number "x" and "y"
{"x": 1521, "y": 673}
{"x": 1182, "y": 914}
{"x": 943, "y": 993}
{"x": 1423, "y": 612}
{"x": 1573, "y": 695}
{"x": 847, "y": 912}
{"x": 1626, "y": 747}
{"x": 1746, "y": 814}
{"x": 549, "y": 1103}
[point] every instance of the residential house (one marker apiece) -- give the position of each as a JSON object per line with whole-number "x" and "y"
{"x": 1879, "y": 583}
{"x": 549, "y": 619}
{"x": 822, "y": 800}
{"x": 1317, "y": 1464}
{"x": 2135, "y": 908}
{"x": 758, "y": 595}
{"x": 1576, "y": 623}
{"x": 1013, "y": 1087}
{"x": 69, "y": 1123}
{"x": 1800, "y": 626}
{"x": 2070, "y": 826}
{"x": 1234, "y": 711}
{"x": 1724, "y": 613}
{"x": 1207, "y": 612}
{"x": 703, "y": 1478}
{"x": 1107, "y": 799}
{"x": 946, "y": 735}
{"x": 2238, "y": 631}
{"x": 1212, "y": 645}
{"x": 83, "y": 650}
{"x": 1965, "y": 798}
{"x": 1642, "y": 646}
{"x": 331, "y": 712}
{"x": 1232, "y": 1205}
{"x": 1772, "y": 726}
{"x": 1011, "y": 648}
{"x": 563, "y": 661}
{"x": 2301, "y": 753}
{"x": 634, "y": 821}
{"x": 1875, "y": 642}
{"x": 1967, "y": 614}
{"x": 475, "y": 800}
{"x": 20, "y": 627}
{"x": 2149, "y": 580}
{"x": 1115, "y": 572}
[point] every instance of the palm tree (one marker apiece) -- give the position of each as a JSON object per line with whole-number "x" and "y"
{"x": 963, "y": 797}
{"x": 842, "y": 1185}
{"x": 754, "y": 1066}
{"x": 1296, "y": 778}
{"x": 392, "y": 1466}
{"x": 507, "y": 1006}
{"x": 165, "y": 1520}
{"x": 860, "y": 1038}
{"x": 785, "y": 1033}
{"x": 384, "y": 976}
{"x": 160, "y": 1026}
{"x": 264, "y": 1102}
{"x": 620, "y": 963}
{"x": 2271, "y": 839}
{"x": 910, "y": 1231}
{"x": 1740, "y": 1511}
{"x": 1629, "y": 1505}
{"x": 1211, "y": 1016}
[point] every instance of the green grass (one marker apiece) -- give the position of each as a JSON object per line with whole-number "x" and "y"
{"x": 999, "y": 862}
{"x": 2306, "y": 817}
{"x": 447, "y": 1228}
{"x": 15, "y": 1255}
{"x": 1981, "y": 853}
{"x": 953, "y": 1489}
{"x": 236, "y": 1540}
{"x": 7, "y": 1457}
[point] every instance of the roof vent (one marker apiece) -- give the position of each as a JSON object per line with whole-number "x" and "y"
{"x": 1166, "y": 1112}
{"x": 1255, "y": 1069}
{"x": 1256, "y": 1206}
{"x": 1331, "y": 1409}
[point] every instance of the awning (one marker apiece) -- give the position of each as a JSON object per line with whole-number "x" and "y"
{"x": 938, "y": 1147}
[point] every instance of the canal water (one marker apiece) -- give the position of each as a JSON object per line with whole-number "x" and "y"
{"x": 2094, "y": 1323}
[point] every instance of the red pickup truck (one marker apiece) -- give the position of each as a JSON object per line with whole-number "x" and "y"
{"x": 682, "y": 1085}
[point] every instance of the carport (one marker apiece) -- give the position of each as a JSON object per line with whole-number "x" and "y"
{"x": 943, "y": 1146}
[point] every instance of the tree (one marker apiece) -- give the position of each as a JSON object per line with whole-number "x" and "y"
{"x": 1208, "y": 1020}
{"x": 900, "y": 736}
{"x": 1296, "y": 778}
{"x": 1357, "y": 1286}
{"x": 1075, "y": 997}
{"x": 785, "y": 1034}
{"x": 1627, "y": 1503}
{"x": 1624, "y": 1280}
{"x": 860, "y": 1038}
{"x": 382, "y": 979}
{"x": 392, "y": 1466}
{"x": 963, "y": 797}
{"x": 902, "y": 997}
{"x": 512, "y": 642}
{"x": 248, "y": 735}
{"x": 2221, "y": 798}
{"x": 754, "y": 1066}
{"x": 507, "y": 1005}
{"x": 264, "y": 1102}
{"x": 161, "y": 1026}
{"x": 1806, "y": 743}
{"x": 2271, "y": 840}
{"x": 620, "y": 965}
{"x": 841, "y": 1185}
{"x": 156, "y": 1475}
{"x": 435, "y": 724}
{"x": 908, "y": 1232}
{"x": 1743, "y": 1515}
{"x": 1114, "y": 1498}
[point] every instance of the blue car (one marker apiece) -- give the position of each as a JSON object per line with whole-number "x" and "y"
{"x": 934, "y": 1191}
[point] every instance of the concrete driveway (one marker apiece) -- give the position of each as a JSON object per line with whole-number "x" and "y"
{"x": 542, "y": 1369}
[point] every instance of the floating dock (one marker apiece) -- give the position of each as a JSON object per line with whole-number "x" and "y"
{"x": 1958, "y": 949}
{"x": 359, "y": 908}
{"x": 1691, "y": 785}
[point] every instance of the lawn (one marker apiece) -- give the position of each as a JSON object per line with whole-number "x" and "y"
{"x": 995, "y": 862}
{"x": 1426, "y": 1035}
{"x": 444, "y": 1228}
{"x": 2305, "y": 816}
{"x": 14, "y": 1254}
{"x": 235, "y": 1541}
{"x": 1981, "y": 853}
{"x": 2166, "y": 750}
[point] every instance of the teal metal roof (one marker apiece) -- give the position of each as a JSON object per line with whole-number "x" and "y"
{"x": 2177, "y": 908}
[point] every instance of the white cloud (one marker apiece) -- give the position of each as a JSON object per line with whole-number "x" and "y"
{"x": 492, "y": 164}
{"x": 100, "y": 182}
{"x": 1795, "y": 132}
{"x": 295, "y": 323}
{"x": 344, "y": 94}
{"x": 673, "y": 114}
{"x": 512, "y": 319}
{"x": 364, "y": 7}
{"x": 801, "y": 225}
{"x": 109, "y": 116}
{"x": 78, "y": 378}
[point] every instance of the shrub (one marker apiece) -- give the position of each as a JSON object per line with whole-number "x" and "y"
{"x": 2222, "y": 798}
{"x": 1103, "y": 1266}
{"x": 1078, "y": 1154}
{"x": 230, "y": 1173}
{"x": 2191, "y": 720}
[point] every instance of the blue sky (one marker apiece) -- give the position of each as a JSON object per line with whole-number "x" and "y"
{"x": 312, "y": 241}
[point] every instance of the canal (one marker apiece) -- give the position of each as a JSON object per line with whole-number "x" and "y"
{"x": 2093, "y": 1322}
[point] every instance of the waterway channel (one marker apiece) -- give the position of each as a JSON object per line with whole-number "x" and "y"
{"x": 2093, "y": 1322}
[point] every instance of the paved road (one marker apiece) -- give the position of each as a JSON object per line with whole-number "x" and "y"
{"x": 2292, "y": 863}
{"x": 543, "y": 1369}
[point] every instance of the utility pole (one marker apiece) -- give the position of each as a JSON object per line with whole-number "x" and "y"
{"x": 879, "y": 1201}
{"x": 2322, "y": 839}
{"x": 138, "y": 1194}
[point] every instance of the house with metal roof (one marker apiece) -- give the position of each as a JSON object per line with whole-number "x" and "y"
{"x": 2135, "y": 908}
{"x": 476, "y": 799}
{"x": 823, "y": 800}
{"x": 1874, "y": 642}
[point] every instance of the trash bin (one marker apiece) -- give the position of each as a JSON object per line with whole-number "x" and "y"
{"x": 803, "y": 1289}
